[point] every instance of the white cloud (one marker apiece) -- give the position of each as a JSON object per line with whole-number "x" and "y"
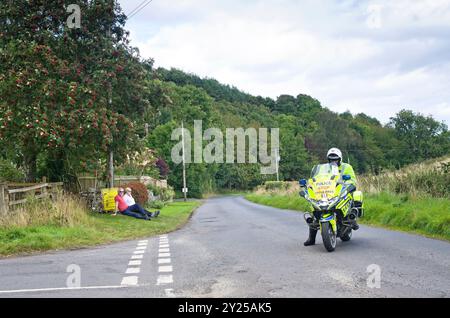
{"x": 322, "y": 48}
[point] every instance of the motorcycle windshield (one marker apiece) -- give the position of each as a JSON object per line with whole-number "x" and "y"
{"x": 325, "y": 170}
{"x": 324, "y": 178}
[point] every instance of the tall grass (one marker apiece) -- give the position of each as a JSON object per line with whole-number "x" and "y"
{"x": 64, "y": 210}
{"x": 416, "y": 180}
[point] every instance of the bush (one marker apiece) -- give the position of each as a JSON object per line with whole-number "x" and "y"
{"x": 157, "y": 204}
{"x": 165, "y": 194}
{"x": 140, "y": 193}
{"x": 9, "y": 172}
{"x": 276, "y": 185}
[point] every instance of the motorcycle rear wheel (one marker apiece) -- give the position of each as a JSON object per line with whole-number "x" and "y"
{"x": 328, "y": 236}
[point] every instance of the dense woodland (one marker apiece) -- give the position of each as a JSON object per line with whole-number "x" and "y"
{"x": 69, "y": 96}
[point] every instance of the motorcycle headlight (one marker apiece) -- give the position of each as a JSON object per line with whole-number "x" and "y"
{"x": 323, "y": 204}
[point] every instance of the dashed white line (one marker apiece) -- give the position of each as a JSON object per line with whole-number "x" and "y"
{"x": 163, "y": 245}
{"x": 134, "y": 262}
{"x": 165, "y": 269}
{"x": 129, "y": 281}
{"x": 163, "y": 250}
{"x": 164, "y": 255}
{"x": 133, "y": 270}
{"x": 164, "y": 279}
{"x": 164, "y": 261}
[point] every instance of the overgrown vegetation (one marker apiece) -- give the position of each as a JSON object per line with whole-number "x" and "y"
{"x": 10, "y": 172}
{"x": 67, "y": 224}
{"x": 65, "y": 211}
{"x": 425, "y": 179}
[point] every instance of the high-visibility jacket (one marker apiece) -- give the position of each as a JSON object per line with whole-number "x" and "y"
{"x": 346, "y": 168}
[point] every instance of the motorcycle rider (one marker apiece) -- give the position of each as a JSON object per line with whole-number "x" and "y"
{"x": 334, "y": 157}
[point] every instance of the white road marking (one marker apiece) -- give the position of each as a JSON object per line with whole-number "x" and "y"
{"x": 164, "y": 279}
{"x": 134, "y": 263}
{"x": 142, "y": 244}
{"x": 139, "y": 252}
{"x": 164, "y": 258}
{"x": 143, "y": 241}
{"x": 164, "y": 261}
{"x": 133, "y": 270}
{"x": 163, "y": 236}
{"x": 141, "y": 248}
{"x": 129, "y": 281}
{"x": 165, "y": 269}
{"x": 15, "y": 291}
{"x": 137, "y": 256}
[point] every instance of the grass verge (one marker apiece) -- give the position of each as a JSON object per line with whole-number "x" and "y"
{"x": 426, "y": 216}
{"x": 93, "y": 230}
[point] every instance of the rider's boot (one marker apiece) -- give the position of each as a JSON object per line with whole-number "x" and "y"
{"x": 312, "y": 237}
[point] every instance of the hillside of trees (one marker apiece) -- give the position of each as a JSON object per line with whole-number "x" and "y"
{"x": 70, "y": 96}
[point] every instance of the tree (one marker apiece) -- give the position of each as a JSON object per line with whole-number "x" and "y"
{"x": 424, "y": 137}
{"x": 53, "y": 100}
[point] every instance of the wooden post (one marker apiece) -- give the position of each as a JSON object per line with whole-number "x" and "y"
{"x": 44, "y": 189}
{"x": 4, "y": 196}
{"x": 111, "y": 169}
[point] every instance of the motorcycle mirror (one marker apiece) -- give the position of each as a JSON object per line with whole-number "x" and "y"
{"x": 302, "y": 182}
{"x": 302, "y": 193}
{"x": 346, "y": 177}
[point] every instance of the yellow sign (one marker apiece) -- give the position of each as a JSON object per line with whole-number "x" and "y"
{"x": 326, "y": 188}
{"x": 108, "y": 196}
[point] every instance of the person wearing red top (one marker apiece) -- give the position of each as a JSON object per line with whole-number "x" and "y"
{"x": 124, "y": 208}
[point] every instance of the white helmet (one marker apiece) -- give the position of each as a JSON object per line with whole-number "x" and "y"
{"x": 334, "y": 154}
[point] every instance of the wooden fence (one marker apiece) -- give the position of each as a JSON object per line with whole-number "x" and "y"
{"x": 91, "y": 182}
{"x": 12, "y": 194}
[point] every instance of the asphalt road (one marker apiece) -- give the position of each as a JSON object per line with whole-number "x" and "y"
{"x": 235, "y": 248}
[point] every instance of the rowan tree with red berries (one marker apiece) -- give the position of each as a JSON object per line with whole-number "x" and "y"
{"x": 67, "y": 96}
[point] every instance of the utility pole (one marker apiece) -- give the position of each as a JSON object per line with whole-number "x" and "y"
{"x": 111, "y": 153}
{"x": 184, "y": 166}
{"x": 111, "y": 168}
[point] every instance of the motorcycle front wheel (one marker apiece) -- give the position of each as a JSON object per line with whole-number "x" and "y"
{"x": 328, "y": 236}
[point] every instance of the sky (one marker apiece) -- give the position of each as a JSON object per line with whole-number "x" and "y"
{"x": 376, "y": 57}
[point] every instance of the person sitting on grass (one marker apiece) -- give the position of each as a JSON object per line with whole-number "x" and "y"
{"x": 133, "y": 206}
{"x": 124, "y": 208}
